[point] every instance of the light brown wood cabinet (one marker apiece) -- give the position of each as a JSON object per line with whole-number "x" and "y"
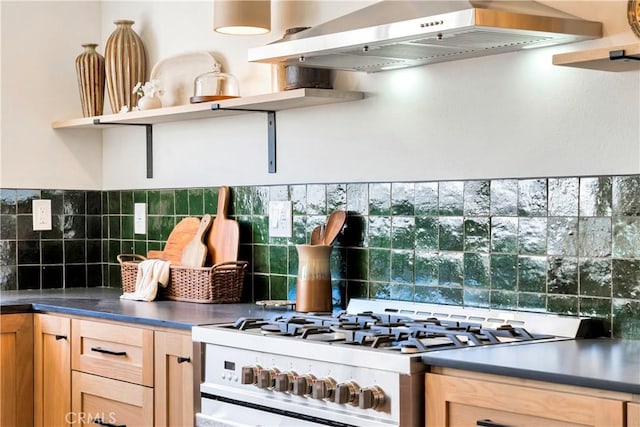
{"x": 456, "y": 398}
{"x": 52, "y": 371}
{"x": 16, "y": 369}
{"x": 633, "y": 414}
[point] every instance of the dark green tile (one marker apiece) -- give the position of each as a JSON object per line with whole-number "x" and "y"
{"x": 126, "y": 202}
{"x": 426, "y": 232}
{"x": 595, "y": 196}
{"x": 127, "y": 246}
{"x": 74, "y": 202}
{"x": 8, "y": 204}
{"x": 402, "y": 266}
{"x": 451, "y": 232}
{"x": 562, "y": 275}
{"x": 28, "y": 252}
{"x": 261, "y": 259}
{"x": 504, "y": 235}
{"x": 8, "y": 251}
{"x": 379, "y": 265}
{"x": 94, "y": 202}
{"x": 357, "y": 260}
{"x": 476, "y": 270}
{"x": 504, "y": 197}
{"x": 504, "y": 272}
{"x": 127, "y": 227}
{"x": 182, "y": 202}
{"x": 380, "y": 199}
{"x": 354, "y": 233}
{"x": 140, "y": 247}
{"x": 477, "y": 198}
{"x": 115, "y": 248}
{"x": 439, "y": 295}
{"x": 595, "y": 277}
{"x": 626, "y": 195}
{"x": 532, "y": 302}
{"x": 532, "y": 274}
{"x": 532, "y": 236}
{"x": 563, "y": 196}
{"x": 261, "y": 287}
{"x": 503, "y": 300}
{"x": 278, "y": 287}
{"x": 115, "y": 230}
{"x": 74, "y": 227}
{"x": 380, "y": 290}
{"x": 279, "y": 193}
{"x": 358, "y": 199}
{"x": 278, "y": 260}
{"x": 161, "y": 202}
{"x": 562, "y": 236}
{"x": 476, "y": 298}
{"x": 159, "y": 227}
{"x": 242, "y": 201}
{"x": 24, "y": 200}
{"x": 316, "y": 199}
{"x": 8, "y": 227}
{"x": 600, "y": 308}
{"x": 401, "y": 292}
{"x": 626, "y": 278}
{"x": 298, "y": 194}
{"x": 211, "y": 201}
{"x": 626, "y": 237}
{"x": 594, "y": 237}
{"x": 451, "y": 269}
{"x": 426, "y": 198}
{"x": 403, "y": 234}
{"x": 451, "y": 198}
{"x": 476, "y": 234}
{"x": 403, "y": 199}
{"x": 379, "y": 232}
{"x": 336, "y": 197}
{"x": 260, "y": 229}
{"x": 113, "y": 198}
{"x": 625, "y": 319}
{"x": 299, "y": 234}
{"x": 357, "y": 289}
{"x": 196, "y": 202}
{"x": 532, "y": 197}
{"x": 427, "y": 268}
{"x": 562, "y": 304}
{"x": 140, "y": 196}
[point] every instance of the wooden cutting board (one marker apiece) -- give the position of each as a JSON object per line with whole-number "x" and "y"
{"x": 224, "y": 236}
{"x": 179, "y": 237}
{"x": 195, "y": 253}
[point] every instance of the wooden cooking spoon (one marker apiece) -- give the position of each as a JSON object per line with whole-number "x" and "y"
{"x": 317, "y": 235}
{"x": 334, "y": 225}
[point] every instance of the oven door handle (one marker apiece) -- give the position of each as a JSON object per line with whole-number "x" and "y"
{"x": 489, "y": 423}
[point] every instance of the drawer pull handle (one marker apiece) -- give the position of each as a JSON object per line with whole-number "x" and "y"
{"x": 106, "y": 424}
{"x": 488, "y": 423}
{"x": 61, "y": 337}
{"x": 183, "y": 359}
{"x": 111, "y": 352}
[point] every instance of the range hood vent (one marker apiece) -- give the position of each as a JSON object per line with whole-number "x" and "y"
{"x": 394, "y": 34}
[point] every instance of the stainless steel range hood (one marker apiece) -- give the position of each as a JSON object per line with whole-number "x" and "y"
{"x": 398, "y": 34}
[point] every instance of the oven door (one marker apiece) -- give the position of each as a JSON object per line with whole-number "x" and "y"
{"x": 220, "y": 412}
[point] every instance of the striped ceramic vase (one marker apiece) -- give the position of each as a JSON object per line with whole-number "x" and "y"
{"x": 125, "y": 64}
{"x": 90, "y": 72}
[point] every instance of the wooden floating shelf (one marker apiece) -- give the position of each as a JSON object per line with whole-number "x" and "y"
{"x": 598, "y": 59}
{"x": 298, "y": 98}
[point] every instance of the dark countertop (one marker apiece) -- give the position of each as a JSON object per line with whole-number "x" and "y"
{"x": 596, "y": 363}
{"x": 105, "y": 303}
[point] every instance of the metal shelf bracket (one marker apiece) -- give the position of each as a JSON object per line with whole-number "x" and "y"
{"x": 617, "y": 55}
{"x": 149, "y": 129}
{"x": 271, "y": 132}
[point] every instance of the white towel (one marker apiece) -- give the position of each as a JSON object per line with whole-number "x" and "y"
{"x": 151, "y": 273}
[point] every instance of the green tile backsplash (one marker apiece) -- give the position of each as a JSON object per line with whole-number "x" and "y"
{"x": 567, "y": 245}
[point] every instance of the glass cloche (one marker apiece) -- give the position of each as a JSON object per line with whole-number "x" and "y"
{"x": 214, "y": 86}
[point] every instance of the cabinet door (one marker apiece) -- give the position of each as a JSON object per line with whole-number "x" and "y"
{"x": 457, "y": 401}
{"x": 52, "y": 370}
{"x": 103, "y": 401}
{"x": 175, "y": 382}
{"x": 16, "y": 369}
{"x": 633, "y": 414}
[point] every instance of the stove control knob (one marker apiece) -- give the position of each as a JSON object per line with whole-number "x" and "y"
{"x": 323, "y": 389}
{"x": 302, "y": 385}
{"x": 249, "y": 374}
{"x": 267, "y": 377}
{"x": 284, "y": 381}
{"x": 347, "y": 393}
{"x": 371, "y": 397}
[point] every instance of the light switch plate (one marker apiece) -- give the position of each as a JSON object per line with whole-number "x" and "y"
{"x": 41, "y": 215}
{"x": 280, "y": 219}
{"x": 140, "y": 218}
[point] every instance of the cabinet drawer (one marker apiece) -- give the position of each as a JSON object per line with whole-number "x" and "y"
{"x": 115, "y": 351}
{"x": 633, "y": 414}
{"x": 98, "y": 400}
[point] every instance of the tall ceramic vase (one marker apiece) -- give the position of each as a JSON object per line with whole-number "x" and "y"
{"x": 313, "y": 286}
{"x": 126, "y": 65}
{"x": 90, "y": 72}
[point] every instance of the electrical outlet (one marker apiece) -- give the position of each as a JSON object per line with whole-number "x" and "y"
{"x": 41, "y": 215}
{"x": 280, "y": 219}
{"x": 140, "y": 218}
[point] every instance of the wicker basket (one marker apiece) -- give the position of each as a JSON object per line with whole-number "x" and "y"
{"x": 221, "y": 283}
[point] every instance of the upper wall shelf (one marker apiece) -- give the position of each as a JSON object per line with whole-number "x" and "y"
{"x": 598, "y": 59}
{"x": 268, "y": 103}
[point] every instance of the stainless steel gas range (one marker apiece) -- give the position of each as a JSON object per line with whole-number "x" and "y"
{"x": 360, "y": 367}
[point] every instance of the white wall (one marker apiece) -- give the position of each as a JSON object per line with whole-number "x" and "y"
{"x": 510, "y": 115}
